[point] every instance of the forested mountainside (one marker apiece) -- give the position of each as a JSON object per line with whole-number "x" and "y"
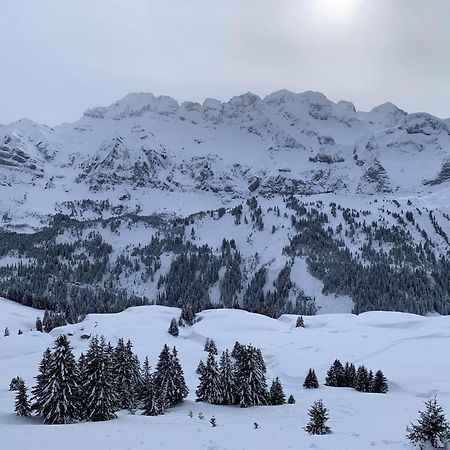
{"x": 287, "y": 204}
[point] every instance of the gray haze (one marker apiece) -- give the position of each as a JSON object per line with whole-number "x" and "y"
{"x": 61, "y": 56}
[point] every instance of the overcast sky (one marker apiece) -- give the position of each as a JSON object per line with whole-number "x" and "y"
{"x": 59, "y": 57}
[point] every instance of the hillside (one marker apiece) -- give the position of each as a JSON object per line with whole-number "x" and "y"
{"x": 287, "y": 204}
{"x": 407, "y": 348}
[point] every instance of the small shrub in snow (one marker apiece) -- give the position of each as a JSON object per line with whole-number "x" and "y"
{"x": 318, "y": 417}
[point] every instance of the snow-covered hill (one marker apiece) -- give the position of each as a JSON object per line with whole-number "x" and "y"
{"x": 409, "y": 349}
{"x": 114, "y": 205}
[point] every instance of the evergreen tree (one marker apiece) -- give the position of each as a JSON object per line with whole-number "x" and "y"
{"x": 300, "y": 322}
{"x": 318, "y": 417}
{"x": 15, "y": 383}
{"x": 291, "y": 400}
{"x": 210, "y": 347}
{"x": 335, "y": 375}
{"x": 349, "y": 375}
{"x": 187, "y": 315}
{"x": 200, "y": 368}
{"x": 173, "y": 328}
{"x": 432, "y": 427}
{"x": 251, "y": 385}
{"x": 236, "y": 350}
{"x": 362, "y": 381}
{"x": 58, "y": 401}
{"x": 169, "y": 378}
{"x": 227, "y": 379}
{"x": 154, "y": 400}
{"x": 146, "y": 376}
{"x": 41, "y": 381}
{"x": 311, "y": 381}
{"x": 209, "y": 389}
{"x": 22, "y": 405}
{"x": 276, "y": 393}
{"x": 6, "y": 332}
{"x": 380, "y": 384}
{"x": 126, "y": 374}
{"x": 39, "y": 326}
{"x": 98, "y": 388}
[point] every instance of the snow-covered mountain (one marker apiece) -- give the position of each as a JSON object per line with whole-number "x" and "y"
{"x": 292, "y": 181}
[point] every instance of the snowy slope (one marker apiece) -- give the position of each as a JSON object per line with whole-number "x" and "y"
{"x": 408, "y": 348}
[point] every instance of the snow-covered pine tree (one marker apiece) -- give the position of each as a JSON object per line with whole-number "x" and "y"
{"x": 227, "y": 380}
{"x": 41, "y": 381}
{"x": 236, "y": 350}
{"x": 169, "y": 377}
{"x": 15, "y": 383}
{"x": 318, "y": 417}
{"x": 210, "y": 346}
{"x": 200, "y": 368}
{"x": 276, "y": 393}
{"x": 126, "y": 373}
{"x": 291, "y": 400}
{"x": 209, "y": 389}
{"x": 153, "y": 399}
{"x": 98, "y": 388}
{"x": 251, "y": 385}
{"x": 181, "y": 387}
{"x": 39, "y": 326}
{"x": 432, "y": 427}
{"x": 145, "y": 376}
{"x": 311, "y": 381}
{"x": 335, "y": 375}
{"x": 22, "y": 405}
{"x": 59, "y": 398}
{"x": 173, "y": 328}
{"x": 362, "y": 379}
{"x": 380, "y": 384}
{"x": 6, "y": 333}
{"x": 187, "y": 315}
{"x": 349, "y": 375}
{"x": 300, "y": 322}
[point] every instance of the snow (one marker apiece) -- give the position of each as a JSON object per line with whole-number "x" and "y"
{"x": 409, "y": 349}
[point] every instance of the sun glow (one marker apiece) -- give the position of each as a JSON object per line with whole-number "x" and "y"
{"x": 336, "y": 10}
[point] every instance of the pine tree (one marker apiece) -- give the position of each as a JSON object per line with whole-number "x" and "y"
{"x": 126, "y": 374}
{"x": 6, "y": 332}
{"x": 380, "y": 384}
{"x": 154, "y": 399}
{"x": 362, "y": 379}
{"x": 15, "y": 383}
{"x": 22, "y": 405}
{"x": 39, "y": 326}
{"x": 210, "y": 347}
{"x": 98, "y": 388}
{"x": 209, "y": 389}
{"x": 169, "y": 378}
{"x": 145, "y": 377}
{"x": 187, "y": 315}
{"x": 291, "y": 400}
{"x": 251, "y": 385}
{"x": 200, "y": 368}
{"x": 276, "y": 393}
{"x": 59, "y": 399}
{"x": 335, "y": 375}
{"x": 432, "y": 427}
{"x": 227, "y": 379}
{"x": 41, "y": 381}
{"x": 173, "y": 328}
{"x": 236, "y": 350}
{"x": 349, "y": 375}
{"x": 300, "y": 322}
{"x": 311, "y": 381}
{"x": 318, "y": 417}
